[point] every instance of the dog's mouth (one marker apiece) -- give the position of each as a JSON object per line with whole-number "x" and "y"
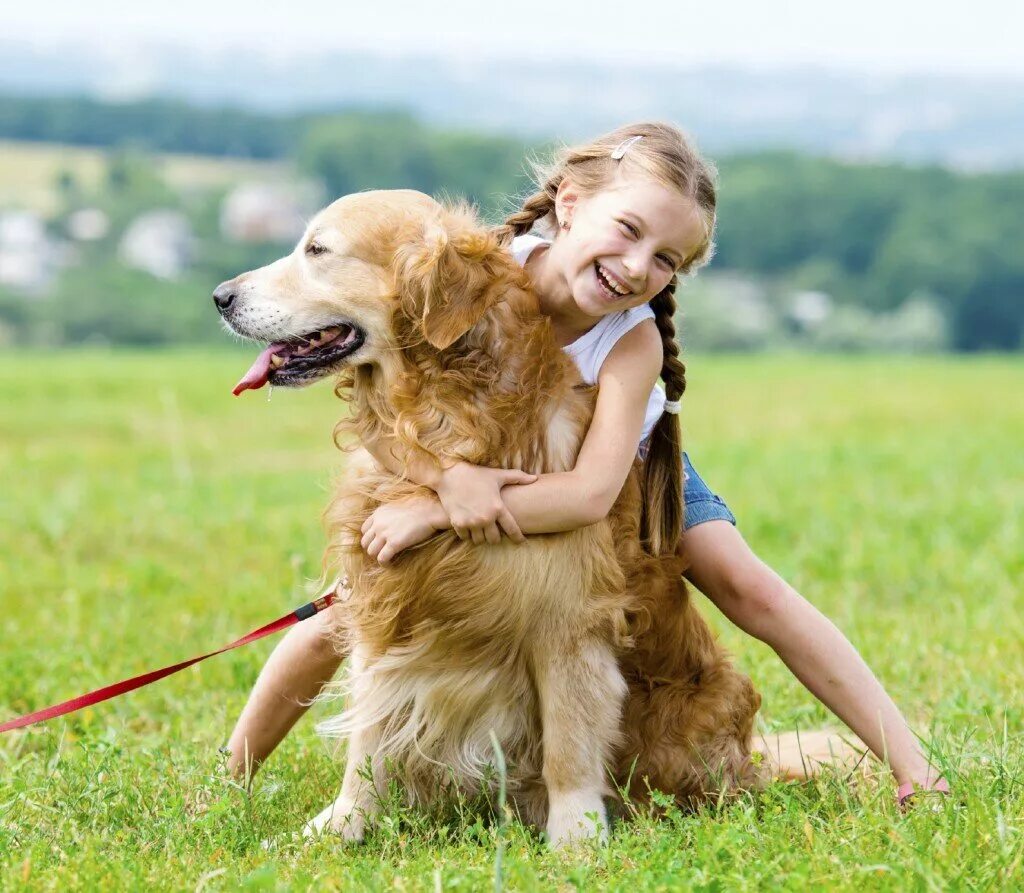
{"x": 301, "y": 360}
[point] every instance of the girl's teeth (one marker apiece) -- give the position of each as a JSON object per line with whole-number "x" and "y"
{"x": 610, "y": 281}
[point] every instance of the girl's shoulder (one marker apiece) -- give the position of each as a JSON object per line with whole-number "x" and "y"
{"x": 523, "y": 246}
{"x": 637, "y": 314}
{"x": 611, "y": 327}
{"x": 592, "y": 348}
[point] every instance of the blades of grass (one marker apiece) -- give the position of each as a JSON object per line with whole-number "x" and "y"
{"x": 499, "y": 759}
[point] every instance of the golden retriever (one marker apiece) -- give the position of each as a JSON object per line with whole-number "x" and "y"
{"x": 582, "y": 654}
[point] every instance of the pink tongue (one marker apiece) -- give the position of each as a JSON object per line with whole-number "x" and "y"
{"x": 259, "y": 371}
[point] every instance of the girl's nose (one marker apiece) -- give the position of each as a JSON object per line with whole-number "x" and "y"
{"x": 633, "y": 268}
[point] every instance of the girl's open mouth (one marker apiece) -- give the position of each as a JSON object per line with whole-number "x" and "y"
{"x": 612, "y": 289}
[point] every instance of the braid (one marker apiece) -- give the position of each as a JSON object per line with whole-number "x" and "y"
{"x": 536, "y": 207}
{"x": 660, "y": 152}
{"x": 662, "y": 521}
{"x": 673, "y": 370}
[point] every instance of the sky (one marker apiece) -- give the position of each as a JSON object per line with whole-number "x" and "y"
{"x": 982, "y": 37}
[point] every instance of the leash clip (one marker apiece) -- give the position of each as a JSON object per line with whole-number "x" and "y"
{"x": 325, "y": 601}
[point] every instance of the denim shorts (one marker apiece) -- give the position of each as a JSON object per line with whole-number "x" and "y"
{"x": 701, "y": 504}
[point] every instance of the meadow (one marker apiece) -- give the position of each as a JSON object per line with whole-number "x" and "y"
{"x": 146, "y": 516}
{"x": 29, "y": 172}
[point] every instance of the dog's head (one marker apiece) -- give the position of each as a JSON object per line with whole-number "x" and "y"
{"x": 373, "y": 273}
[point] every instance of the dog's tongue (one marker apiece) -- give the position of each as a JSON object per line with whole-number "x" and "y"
{"x": 259, "y": 371}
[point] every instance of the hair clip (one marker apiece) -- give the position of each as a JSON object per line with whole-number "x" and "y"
{"x": 621, "y": 148}
{"x": 672, "y": 407}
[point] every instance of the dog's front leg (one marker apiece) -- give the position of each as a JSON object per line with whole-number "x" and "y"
{"x": 359, "y": 800}
{"x": 581, "y": 693}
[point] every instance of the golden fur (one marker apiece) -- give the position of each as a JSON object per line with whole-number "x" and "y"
{"x": 583, "y": 655}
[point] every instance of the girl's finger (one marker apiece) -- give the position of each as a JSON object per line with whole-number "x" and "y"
{"x": 478, "y": 536}
{"x": 517, "y": 476}
{"x": 508, "y": 524}
{"x": 492, "y": 534}
{"x": 367, "y": 523}
{"x": 375, "y": 546}
{"x": 461, "y": 532}
{"x": 367, "y": 538}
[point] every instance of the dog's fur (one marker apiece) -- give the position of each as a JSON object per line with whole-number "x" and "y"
{"x": 583, "y": 655}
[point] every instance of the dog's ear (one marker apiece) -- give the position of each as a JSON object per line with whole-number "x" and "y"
{"x": 449, "y": 278}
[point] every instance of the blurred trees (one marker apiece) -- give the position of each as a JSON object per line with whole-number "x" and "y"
{"x": 876, "y": 235}
{"x": 357, "y": 151}
{"x": 873, "y": 238}
{"x": 154, "y": 125}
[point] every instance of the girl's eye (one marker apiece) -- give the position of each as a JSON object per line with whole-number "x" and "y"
{"x": 314, "y": 249}
{"x": 635, "y": 233}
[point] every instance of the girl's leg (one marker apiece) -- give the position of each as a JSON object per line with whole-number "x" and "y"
{"x": 758, "y": 601}
{"x": 298, "y": 668}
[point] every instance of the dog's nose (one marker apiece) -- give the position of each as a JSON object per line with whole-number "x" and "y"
{"x": 224, "y": 295}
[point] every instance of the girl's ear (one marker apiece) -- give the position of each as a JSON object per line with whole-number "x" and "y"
{"x": 450, "y": 284}
{"x": 565, "y": 202}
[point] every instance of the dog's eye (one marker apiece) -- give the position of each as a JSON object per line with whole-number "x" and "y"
{"x": 315, "y": 249}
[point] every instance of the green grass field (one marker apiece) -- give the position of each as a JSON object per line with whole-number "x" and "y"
{"x": 146, "y": 516}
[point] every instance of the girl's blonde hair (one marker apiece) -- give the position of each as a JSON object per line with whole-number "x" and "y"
{"x": 667, "y": 156}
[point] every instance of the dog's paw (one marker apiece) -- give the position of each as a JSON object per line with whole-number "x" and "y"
{"x": 351, "y": 828}
{"x": 347, "y": 822}
{"x": 576, "y": 817}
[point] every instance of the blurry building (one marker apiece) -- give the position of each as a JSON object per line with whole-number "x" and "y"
{"x": 29, "y": 257}
{"x": 159, "y": 242}
{"x": 809, "y": 309}
{"x": 264, "y": 212}
{"x": 88, "y": 224}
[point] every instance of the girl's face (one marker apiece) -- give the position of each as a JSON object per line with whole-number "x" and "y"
{"x": 624, "y": 243}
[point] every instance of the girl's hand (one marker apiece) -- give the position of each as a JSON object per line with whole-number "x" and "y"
{"x": 395, "y": 526}
{"x": 471, "y": 495}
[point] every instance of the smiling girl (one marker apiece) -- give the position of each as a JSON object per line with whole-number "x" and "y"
{"x": 619, "y": 220}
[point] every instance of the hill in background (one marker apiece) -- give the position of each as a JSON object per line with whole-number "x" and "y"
{"x": 958, "y": 122}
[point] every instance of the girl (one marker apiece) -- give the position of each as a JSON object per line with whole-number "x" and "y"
{"x": 625, "y": 215}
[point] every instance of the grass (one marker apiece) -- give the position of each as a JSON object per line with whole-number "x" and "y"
{"x": 146, "y": 515}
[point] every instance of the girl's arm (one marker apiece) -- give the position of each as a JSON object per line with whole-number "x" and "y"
{"x": 585, "y": 495}
{"x": 470, "y": 494}
{"x": 475, "y": 497}
{"x": 762, "y": 604}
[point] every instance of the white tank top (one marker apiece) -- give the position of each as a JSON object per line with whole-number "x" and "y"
{"x": 590, "y": 349}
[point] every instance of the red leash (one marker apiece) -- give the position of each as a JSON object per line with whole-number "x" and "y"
{"x": 126, "y": 685}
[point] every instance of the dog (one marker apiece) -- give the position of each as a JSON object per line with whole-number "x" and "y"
{"x": 580, "y": 654}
